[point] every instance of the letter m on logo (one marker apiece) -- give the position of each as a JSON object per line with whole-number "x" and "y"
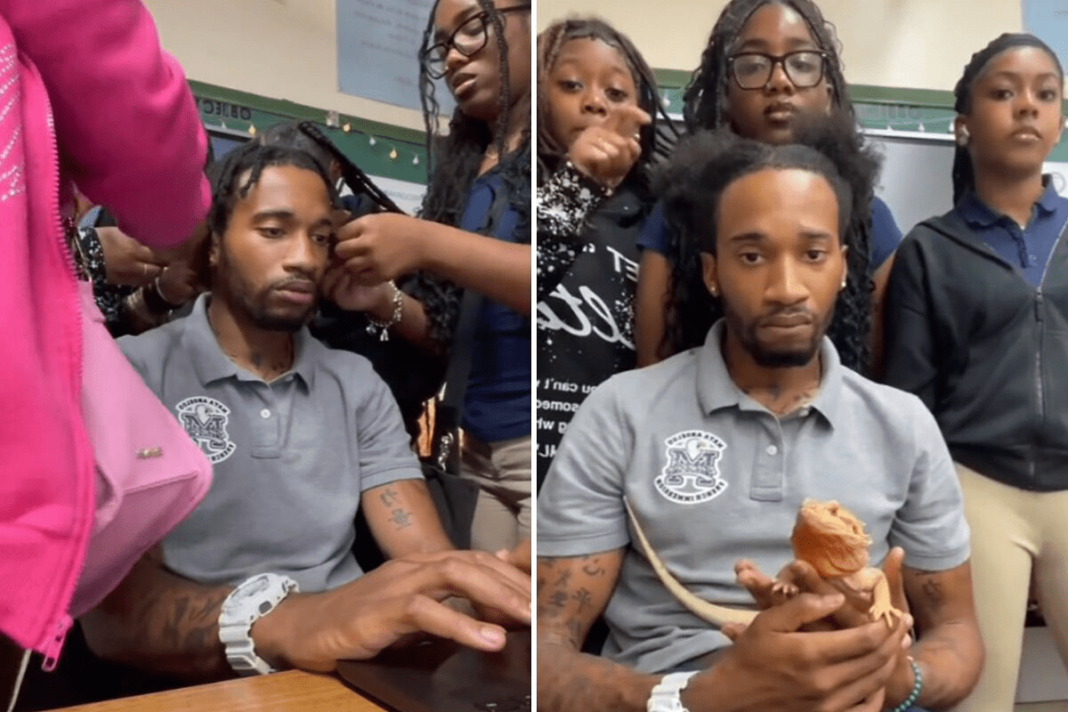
{"x": 703, "y": 465}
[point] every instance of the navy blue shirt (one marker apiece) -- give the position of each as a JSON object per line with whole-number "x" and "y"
{"x": 885, "y": 234}
{"x": 1026, "y": 249}
{"x": 497, "y": 402}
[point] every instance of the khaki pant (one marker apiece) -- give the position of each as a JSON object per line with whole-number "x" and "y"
{"x": 502, "y": 471}
{"x": 1015, "y": 534}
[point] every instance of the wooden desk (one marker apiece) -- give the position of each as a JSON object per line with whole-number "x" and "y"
{"x": 280, "y": 692}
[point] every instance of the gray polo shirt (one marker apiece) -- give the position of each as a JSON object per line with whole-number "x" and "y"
{"x": 290, "y": 458}
{"x": 715, "y": 477}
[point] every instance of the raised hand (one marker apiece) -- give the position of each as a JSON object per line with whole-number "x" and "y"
{"x": 607, "y": 151}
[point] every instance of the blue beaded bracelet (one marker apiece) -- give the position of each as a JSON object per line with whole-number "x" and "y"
{"x": 917, "y": 686}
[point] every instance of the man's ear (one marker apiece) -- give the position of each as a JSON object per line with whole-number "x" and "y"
{"x": 708, "y": 273}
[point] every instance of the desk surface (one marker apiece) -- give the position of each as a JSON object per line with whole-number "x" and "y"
{"x": 280, "y": 692}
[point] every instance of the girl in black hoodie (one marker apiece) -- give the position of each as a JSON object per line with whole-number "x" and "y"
{"x": 977, "y": 327}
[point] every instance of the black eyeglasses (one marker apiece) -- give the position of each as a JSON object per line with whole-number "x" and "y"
{"x": 752, "y": 70}
{"x": 468, "y": 39}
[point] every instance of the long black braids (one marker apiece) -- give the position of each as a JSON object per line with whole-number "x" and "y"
{"x": 690, "y": 309}
{"x": 551, "y": 152}
{"x": 452, "y": 166}
{"x": 963, "y": 171}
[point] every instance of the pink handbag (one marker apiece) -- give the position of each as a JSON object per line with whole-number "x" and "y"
{"x": 149, "y": 474}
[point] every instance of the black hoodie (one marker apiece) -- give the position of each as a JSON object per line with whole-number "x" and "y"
{"x": 985, "y": 350}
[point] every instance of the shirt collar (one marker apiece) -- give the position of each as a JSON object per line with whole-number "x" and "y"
{"x": 212, "y": 364}
{"x": 716, "y": 390}
{"x": 977, "y": 213}
{"x": 1048, "y": 202}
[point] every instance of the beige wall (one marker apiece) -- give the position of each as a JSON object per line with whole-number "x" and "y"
{"x": 917, "y": 44}
{"x": 281, "y": 49}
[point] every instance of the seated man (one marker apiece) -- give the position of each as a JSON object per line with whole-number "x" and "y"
{"x": 716, "y": 448}
{"x": 300, "y": 436}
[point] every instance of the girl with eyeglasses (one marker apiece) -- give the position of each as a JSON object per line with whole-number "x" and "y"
{"x": 768, "y": 65}
{"x": 409, "y": 274}
{"x": 977, "y": 327}
{"x": 597, "y": 101}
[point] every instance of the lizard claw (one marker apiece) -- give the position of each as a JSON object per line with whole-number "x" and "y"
{"x": 886, "y": 612}
{"x": 785, "y": 589}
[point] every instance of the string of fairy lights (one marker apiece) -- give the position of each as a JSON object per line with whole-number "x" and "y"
{"x": 333, "y": 121}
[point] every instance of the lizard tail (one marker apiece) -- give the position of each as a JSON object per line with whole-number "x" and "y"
{"x": 710, "y": 612}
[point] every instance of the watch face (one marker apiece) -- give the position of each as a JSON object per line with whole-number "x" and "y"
{"x": 251, "y": 589}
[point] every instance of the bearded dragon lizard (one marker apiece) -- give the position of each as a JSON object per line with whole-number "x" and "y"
{"x": 827, "y": 536}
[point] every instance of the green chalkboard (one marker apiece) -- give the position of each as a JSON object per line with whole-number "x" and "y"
{"x": 923, "y": 110}
{"x": 370, "y": 144}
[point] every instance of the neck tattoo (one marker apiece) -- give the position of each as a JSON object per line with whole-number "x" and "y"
{"x": 255, "y": 360}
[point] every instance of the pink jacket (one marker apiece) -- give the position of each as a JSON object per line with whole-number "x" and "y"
{"x": 90, "y": 74}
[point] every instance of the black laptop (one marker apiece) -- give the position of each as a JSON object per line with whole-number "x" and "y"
{"x": 442, "y": 676}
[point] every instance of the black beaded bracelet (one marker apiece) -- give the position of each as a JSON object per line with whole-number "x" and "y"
{"x": 917, "y": 687}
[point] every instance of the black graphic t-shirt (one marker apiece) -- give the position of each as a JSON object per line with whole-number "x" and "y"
{"x": 586, "y": 321}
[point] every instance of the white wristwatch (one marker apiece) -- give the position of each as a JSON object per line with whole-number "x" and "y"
{"x": 665, "y": 696}
{"x": 253, "y": 599}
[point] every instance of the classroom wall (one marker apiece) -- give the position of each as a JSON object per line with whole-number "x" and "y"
{"x": 281, "y": 49}
{"x": 915, "y": 44}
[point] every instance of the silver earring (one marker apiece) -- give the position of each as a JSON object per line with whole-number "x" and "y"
{"x": 713, "y": 291}
{"x": 963, "y": 137}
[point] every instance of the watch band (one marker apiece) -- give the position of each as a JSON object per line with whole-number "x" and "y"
{"x": 250, "y": 601}
{"x": 665, "y": 696}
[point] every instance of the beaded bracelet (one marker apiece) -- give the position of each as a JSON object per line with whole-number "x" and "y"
{"x": 917, "y": 686}
{"x": 382, "y": 327}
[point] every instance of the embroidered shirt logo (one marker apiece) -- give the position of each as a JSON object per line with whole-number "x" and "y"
{"x": 205, "y": 419}
{"x": 691, "y": 474}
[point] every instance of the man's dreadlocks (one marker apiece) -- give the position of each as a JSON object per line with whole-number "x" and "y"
{"x": 253, "y": 158}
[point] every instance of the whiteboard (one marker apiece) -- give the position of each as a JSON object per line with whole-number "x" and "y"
{"x": 916, "y": 179}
